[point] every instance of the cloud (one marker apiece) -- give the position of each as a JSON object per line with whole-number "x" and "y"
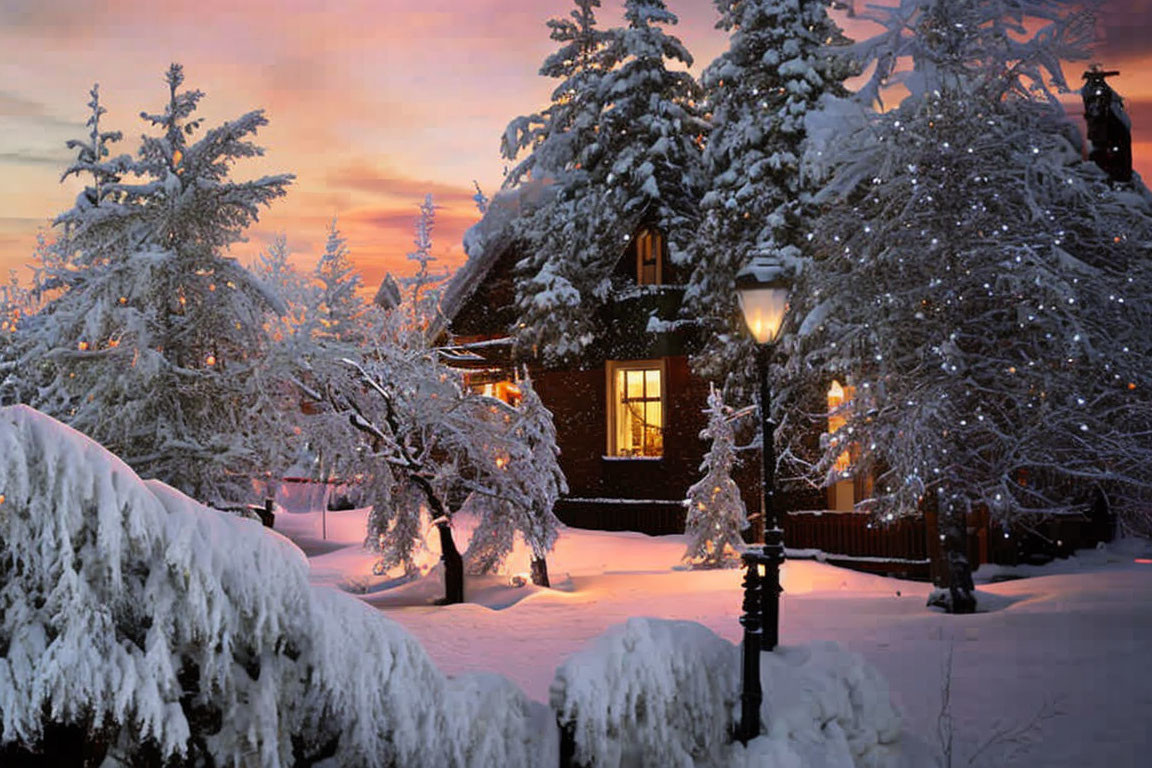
{"x": 1126, "y": 28}
{"x": 1140, "y": 112}
{"x": 384, "y": 183}
{"x": 34, "y": 157}
{"x": 404, "y": 219}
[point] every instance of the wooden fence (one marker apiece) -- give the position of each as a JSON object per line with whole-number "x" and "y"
{"x": 656, "y": 517}
{"x": 843, "y": 538}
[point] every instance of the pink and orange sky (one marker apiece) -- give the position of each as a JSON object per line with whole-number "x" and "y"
{"x": 372, "y": 103}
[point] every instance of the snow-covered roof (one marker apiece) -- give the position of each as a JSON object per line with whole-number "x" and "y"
{"x": 486, "y": 241}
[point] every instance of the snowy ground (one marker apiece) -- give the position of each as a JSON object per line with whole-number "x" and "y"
{"x": 1072, "y": 640}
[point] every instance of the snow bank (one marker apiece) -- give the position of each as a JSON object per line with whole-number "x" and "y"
{"x": 652, "y": 692}
{"x": 147, "y": 626}
{"x": 824, "y": 706}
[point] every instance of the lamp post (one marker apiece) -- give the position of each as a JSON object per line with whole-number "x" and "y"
{"x": 763, "y": 291}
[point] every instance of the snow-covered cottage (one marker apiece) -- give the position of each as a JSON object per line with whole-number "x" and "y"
{"x": 628, "y": 412}
{"x": 629, "y": 409}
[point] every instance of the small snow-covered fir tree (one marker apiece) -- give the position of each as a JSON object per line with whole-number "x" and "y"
{"x": 291, "y": 288}
{"x": 339, "y": 311}
{"x": 152, "y": 341}
{"x": 780, "y": 62}
{"x": 522, "y": 500}
{"x": 422, "y": 305}
{"x": 983, "y": 288}
{"x": 16, "y": 303}
{"x": 626, "y": 153}
{"x": 716, "y": 514}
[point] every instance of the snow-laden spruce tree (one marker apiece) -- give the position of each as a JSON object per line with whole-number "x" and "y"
{"x": 983, "y": 289}
{"x": 293, "y": 290}
{"x": 522, "y": 502}
{"x": 152, "y": 341}
{"x": 628, "y": 155}
{"x": 783, "y": 57}
{"x": 715, "y": 511}
{"x": 563, "y": 137}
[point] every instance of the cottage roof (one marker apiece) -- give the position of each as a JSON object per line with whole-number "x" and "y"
{"x": 486, "y": 241}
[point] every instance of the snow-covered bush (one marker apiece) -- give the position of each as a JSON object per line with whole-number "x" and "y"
{"x": 140, "y": 626}
{"x": 652, "y": 692}
{"x": 649, "y": 692}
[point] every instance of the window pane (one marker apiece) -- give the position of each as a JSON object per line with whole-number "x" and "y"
{"x": 635, "y": 385}
{"x": 652, "y": 383}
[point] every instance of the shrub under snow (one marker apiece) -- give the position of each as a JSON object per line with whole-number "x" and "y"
{"x": 142, "y": 626}
{"x": 666, "y": 693}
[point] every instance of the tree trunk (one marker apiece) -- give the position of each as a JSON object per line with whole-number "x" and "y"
{"x": 540, "y": 572}
{"x": 954, "y": 530}
{"x": 453, "y": 566}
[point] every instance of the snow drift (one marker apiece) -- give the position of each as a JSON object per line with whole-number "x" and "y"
{"x": 657, "y": 693}
{"x": 143, "y": 626}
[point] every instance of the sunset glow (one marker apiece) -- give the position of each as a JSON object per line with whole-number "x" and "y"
{"x": 372, "y": 104}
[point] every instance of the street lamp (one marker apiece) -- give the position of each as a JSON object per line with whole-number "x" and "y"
{"x": 763, "y": 290}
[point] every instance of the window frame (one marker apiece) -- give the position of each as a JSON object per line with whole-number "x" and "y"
{"x": 613, "y": 402}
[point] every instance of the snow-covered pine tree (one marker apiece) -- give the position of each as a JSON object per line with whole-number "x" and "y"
{"x": 715, "y": 511}
{"x": 92, "y": 159}
{"x": 983, "y": 288}
{"x": 15, "y": 304}
{"x": 152, "y": 342}
{"x": 291, "y": 288}
{"x": 339, "y": 312}
{"x": 783, "y": 57}
{"x": 521, "y": 500}
{"x": 562, "y": 138}
{"x": 422, "y": 304}
{"x": 629, "y": 155}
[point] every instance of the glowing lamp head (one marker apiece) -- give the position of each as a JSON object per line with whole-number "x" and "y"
{"x": 763, "y": 290}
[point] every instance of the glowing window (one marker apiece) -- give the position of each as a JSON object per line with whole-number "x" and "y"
{"x": 649, "y": 257}
{"x": 838, "y": 396}
{"x": 841, "y": 494}
{"x": 636, "y": 409}
{"x": 503, "y": 389}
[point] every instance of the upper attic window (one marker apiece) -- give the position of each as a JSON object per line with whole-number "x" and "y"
{"x": 649, "y": 245}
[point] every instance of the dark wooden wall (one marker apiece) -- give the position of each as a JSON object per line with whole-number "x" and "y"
{"x": 578, "y": 402}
